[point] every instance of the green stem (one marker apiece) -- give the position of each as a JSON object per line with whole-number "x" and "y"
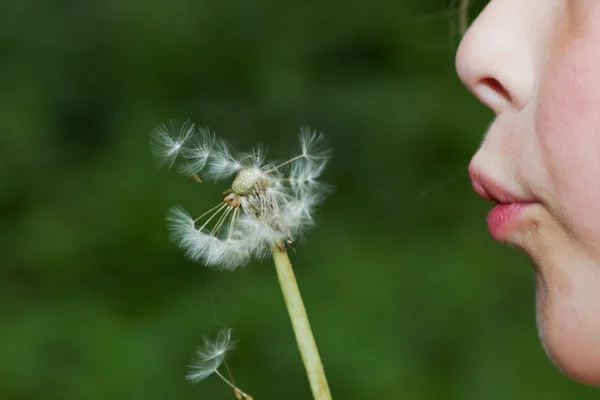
{"x": 304, "y": 336}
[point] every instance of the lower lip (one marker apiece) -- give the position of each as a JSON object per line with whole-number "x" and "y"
{"x": 503, "y": 217}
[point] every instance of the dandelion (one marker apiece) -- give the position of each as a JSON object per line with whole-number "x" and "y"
{"x": 267, "y": 207}
{"x": 267, "y": 202}
{"x": 210, "y": 357}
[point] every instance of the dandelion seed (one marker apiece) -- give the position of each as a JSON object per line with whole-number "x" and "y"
{"x": 304, "y": 178}
{"x": 168, "y": 140}
{"x": 224, "y": 162}
{"x": 267, "y": 203}
{"x": 197, "y": 154}
{"x": 210, "y": 357}
{"x": 314, "y": 146}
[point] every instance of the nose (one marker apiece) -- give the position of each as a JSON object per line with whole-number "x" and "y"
{"x": 495, "y": 59}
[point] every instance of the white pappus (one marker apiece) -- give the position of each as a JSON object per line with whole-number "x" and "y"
{"x": 210, "y": 356}
{"x": 267, "y": 203}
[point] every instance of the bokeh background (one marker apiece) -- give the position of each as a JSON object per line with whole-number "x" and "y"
{"x": 408, "y": 296}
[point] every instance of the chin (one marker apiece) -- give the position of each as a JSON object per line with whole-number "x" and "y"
{"x": 568, "y": 315}
{"x": 574, "y": 354}
{"x": 568, "y": 297}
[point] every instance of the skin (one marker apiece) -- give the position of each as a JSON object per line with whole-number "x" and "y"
{"x": 536, "y": 64}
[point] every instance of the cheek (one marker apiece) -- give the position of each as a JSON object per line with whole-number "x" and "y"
{"x": 568, "y": 145}
{"x": 568, "y": 136}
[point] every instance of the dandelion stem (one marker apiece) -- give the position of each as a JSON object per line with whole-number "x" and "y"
{"x": 300, "y": 324}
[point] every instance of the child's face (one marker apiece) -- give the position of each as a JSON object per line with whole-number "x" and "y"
{"x": 536, "y": 64}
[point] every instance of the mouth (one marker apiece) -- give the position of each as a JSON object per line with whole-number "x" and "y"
{"x": 504, "y": 216}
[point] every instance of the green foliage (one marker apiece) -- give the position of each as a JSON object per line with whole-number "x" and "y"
{"x": 408, "y": 296}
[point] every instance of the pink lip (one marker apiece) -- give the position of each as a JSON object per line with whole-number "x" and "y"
{"x": 490, "y": 190}
{"x": 509, "y": 206}
{"x": 503, "y": 217}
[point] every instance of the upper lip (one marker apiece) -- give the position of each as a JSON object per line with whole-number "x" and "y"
{"x": 493, "y": 191}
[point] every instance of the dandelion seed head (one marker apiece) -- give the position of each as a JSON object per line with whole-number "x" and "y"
{"x": 210, "y": 356}
{"x": 246, "y": 180}
{"x": 267, "y": 203}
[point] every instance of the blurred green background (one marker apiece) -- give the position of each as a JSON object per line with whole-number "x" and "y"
{"x": 408, "y": 296}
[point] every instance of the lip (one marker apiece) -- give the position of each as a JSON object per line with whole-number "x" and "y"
{"x": 493, "y": 191}
{"x": 504, "y": 216}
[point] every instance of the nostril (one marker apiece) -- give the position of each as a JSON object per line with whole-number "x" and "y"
{"x": 494, "y": 89}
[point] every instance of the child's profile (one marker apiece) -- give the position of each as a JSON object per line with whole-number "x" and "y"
{"x": 535, "y": 64}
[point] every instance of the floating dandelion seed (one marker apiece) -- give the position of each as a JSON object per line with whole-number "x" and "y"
{"x": 210, "y": 357}
{"x": 267, "y": 202}
{"x": 167, "y": 140}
